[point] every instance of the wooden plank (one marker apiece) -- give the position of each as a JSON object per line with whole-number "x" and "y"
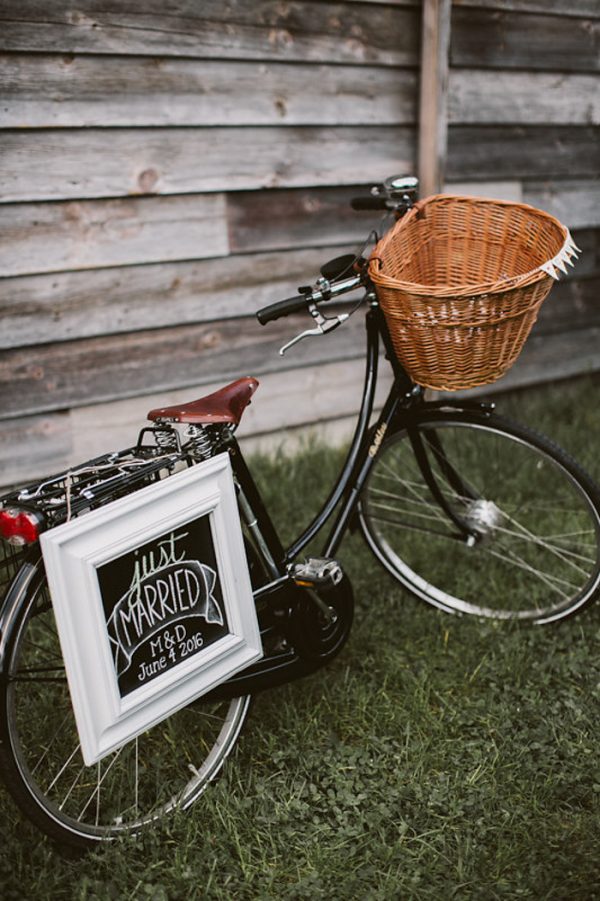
{"x": 588, "y": 241}
{"x": 326, "y": 32}
{"x": 480, "y": 96}
{"x": 558, "y": 7}
{"x": 433, "y": 124}
{"x": 545, "y": 359}
{"x": 61, "y": 306}
{"x": 136, "y": 91}
{"x": 576, "y": 202}
{"x": 33, "y": 446}
{"x": 73, "y": 373}
{"x": 48, "y": 237}
{"x": 499, "y": 190}
{"x": 490, "y": 151}
{"x": 283, "y": 401}
{"x": 483, "y": 38}
{"x": 572, "y": 304}
{"x": 296, "y": 218}
{"x": 94, "y": 163}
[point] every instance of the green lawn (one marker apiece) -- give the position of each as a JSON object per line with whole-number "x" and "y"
{"x": 436, "y": 758}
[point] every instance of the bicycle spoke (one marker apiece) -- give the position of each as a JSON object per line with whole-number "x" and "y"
{"x": 535, "y": 540}
{"x": 64, "y": 767}
{"x": 416, "y": 513}
{"x": 414, "y": 527}
{"x": 550, "y": 581}
{"x": 58, "y": 732}
{"x": 28, "y": 675}
{"x": 439, "y": 514}
{"x": 99, "y": 782}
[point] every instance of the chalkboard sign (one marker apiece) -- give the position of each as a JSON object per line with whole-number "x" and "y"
{"x": 153, "y": 603}
{"x": 162, "y": 603}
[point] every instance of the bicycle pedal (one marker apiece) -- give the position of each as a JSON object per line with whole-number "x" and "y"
{"x": 317, "y": 572}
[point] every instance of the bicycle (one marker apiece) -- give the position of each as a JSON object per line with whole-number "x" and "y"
{"x": 446, "y": 493}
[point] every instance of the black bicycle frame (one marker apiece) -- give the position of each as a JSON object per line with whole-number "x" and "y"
{"x": 404, "y": 398}
{"x": 358, "y": 462}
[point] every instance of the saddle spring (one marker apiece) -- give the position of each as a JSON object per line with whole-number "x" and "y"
{"x": 202, "y": 441}
{"x": 166, "y": 438}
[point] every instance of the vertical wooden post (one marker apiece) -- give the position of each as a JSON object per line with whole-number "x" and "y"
{"x": 433, "y": 119}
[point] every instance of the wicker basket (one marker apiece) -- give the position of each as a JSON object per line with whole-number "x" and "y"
{"x": 461, "y": 280}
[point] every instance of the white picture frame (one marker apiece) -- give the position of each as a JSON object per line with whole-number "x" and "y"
{"x": 153, "y": 603}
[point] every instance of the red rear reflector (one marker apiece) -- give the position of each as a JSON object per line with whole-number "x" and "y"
{"x": 18, "y": 527}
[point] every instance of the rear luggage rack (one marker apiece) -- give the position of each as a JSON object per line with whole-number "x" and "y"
{"x": 92, "y": 484}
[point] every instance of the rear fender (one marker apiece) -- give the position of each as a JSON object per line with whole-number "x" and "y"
{"x": 12, "y": 603}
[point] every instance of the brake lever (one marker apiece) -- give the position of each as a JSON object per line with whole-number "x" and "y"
{"x": 323, "y": 326}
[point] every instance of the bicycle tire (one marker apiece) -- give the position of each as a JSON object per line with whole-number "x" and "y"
{"x": 165, "y": 769}
{"x": 534, "y": 510}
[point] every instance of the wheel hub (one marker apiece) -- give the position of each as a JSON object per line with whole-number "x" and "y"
{"x": 483, "y": 517}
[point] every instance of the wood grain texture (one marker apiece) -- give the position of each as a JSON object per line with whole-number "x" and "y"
{"x": 544, "y": 359}
{"x": 500, "y": 190}
{"x": 588, "y": 240}
{"x": 94, "y": 163}
{"x": 87, "y": 91}
{"x": 574, "y": 202}
{"x": 296, "y": 218}
{"x": 49, "y": 237}
{"x": 483, "y": 96}
{"x": 74, "y": 373}
{"x": 510, "y": 40}
{"x": 572, "y": 304}
{"x": 34, "y": 446}
{"x": 579, "y": 8}
{"x": 433, "y": 94}
{"x": 283, "y": 401}
{"x": 62, "y": 306}
{"x": 357, "y": 33}
{"x": 507, "y": 151}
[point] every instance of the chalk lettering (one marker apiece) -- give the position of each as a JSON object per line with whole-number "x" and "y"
{"x": 151, "y": 669}
{"x": 156, "y": 646}
{"x": 165, "y": 588}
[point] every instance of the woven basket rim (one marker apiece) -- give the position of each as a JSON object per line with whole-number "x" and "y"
{"x": 498, "y": 286}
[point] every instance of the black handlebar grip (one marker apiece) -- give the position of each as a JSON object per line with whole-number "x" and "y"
{"x": 282, "y": 308}
{"x": 369, "y": 203}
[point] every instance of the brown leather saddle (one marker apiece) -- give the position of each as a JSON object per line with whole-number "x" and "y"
{"x": 225, "y": 405}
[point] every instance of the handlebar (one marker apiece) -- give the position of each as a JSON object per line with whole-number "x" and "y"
{"x": 323, "y": 290}
{"x": 396, "y": 195}
{"x": 282, "y": 308}
{"x": 369, "y": 203}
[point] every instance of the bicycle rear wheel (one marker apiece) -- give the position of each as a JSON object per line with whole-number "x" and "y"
{"x": 534, "y": 511}
{"x": 165, "y": 769}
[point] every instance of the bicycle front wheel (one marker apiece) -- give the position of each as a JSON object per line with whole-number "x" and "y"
{"x": 533, "y": 511}
{"x": 163, "y": 770}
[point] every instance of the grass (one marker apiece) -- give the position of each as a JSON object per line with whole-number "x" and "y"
{"x": 436, "y": 758}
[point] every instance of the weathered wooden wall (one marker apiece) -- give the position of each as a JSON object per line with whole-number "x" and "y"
{"x": 170, "y": 167}
{"x": 524, "y": 111}
{"x": 167, "y": 169}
